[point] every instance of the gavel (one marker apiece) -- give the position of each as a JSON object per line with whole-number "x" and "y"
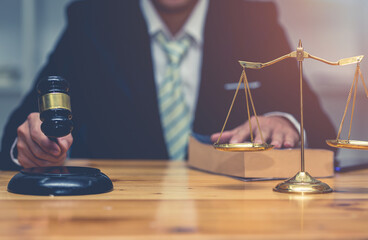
{"x": 54, "y": 107}
{"x": 56, "y": 117}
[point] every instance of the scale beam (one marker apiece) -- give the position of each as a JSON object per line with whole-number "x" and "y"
{"x": 341, "y": 62}
{"x": 258, "y": 65}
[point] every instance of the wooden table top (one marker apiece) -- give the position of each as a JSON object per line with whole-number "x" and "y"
{"x": 167, "y": 200}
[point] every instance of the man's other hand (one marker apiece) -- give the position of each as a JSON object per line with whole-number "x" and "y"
{"x": 35, "y": 149}
{"x": 277, "y": 131}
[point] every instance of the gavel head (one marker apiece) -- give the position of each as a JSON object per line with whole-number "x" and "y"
{"x": 54, "y": 106}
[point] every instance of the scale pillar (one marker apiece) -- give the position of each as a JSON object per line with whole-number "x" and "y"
{"x": 302, "y": 182}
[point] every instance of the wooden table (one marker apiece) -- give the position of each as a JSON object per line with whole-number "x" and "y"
{"x": 166, "y": 200}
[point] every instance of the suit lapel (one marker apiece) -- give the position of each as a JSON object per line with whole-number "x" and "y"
{"x": 219, "y": 66}
{"x": 132, "y": 45}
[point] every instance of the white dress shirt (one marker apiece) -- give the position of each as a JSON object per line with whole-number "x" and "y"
{"x": 191, "y": 65}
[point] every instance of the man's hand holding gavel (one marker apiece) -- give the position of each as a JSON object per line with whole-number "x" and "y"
{"x": 35, "y": 149}
{"x": 45, "y": 137}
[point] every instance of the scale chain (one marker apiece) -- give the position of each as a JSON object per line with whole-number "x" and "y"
{"x": 246, "y": 97}
{"x": 347, "y": 103}
{"x": 231, "y": 106}
{"x": 365, "y": 87}
{"x": 353, "y": 106}
{"x": 254, "y": 109}
{"x": 243, "y": 78}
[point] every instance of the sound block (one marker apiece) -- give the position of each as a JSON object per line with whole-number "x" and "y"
{"x": 60, "y": 181}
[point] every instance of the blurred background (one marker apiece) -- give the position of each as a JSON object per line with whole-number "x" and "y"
{"x": 331, "y": 29}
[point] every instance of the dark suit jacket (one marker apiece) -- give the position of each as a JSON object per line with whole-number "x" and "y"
{"x": 105, "y": 54}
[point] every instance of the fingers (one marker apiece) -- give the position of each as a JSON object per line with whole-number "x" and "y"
{"x": 236, "y": 135}
{"x": 277, "y": 131}
{"x": 291, "y": 140}
{"x": 241, "y": 133}
{"x": 278, "y": 139}
{"x": 284, "y": 133}
{"x": 35, "y": 149}
{"x": 38, "y": 137}
{"x": 25, "y": 157}
{"x": 225, "y": 137}
{"x": 266, "y": 133}
{"x": 65, "y": 143}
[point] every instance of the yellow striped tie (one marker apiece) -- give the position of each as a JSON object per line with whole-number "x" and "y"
{"x": 174, "y": 112}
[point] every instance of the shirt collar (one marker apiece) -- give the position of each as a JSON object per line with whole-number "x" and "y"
{"x": 194, "y": 26}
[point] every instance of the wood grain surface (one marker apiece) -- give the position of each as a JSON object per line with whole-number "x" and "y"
{"x": 167, "y": 200}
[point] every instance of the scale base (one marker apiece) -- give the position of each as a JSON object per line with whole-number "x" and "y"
{"x": 303, "y": 182}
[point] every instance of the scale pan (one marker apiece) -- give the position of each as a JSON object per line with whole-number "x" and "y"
{"x": 243, "y": 147}
{"x": 351, "y": 144}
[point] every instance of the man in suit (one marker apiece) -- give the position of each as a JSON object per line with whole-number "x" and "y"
{"x": 113, "y": 55}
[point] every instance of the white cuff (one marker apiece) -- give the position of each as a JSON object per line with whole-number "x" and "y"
{"x": 15, "y": 160}
{"x": 293, "y": 121}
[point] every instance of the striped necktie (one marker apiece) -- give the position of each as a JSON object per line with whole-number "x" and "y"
{"x": 174, "y": 112}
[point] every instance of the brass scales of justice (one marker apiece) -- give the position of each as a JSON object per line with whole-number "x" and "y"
{"x": 302, "y": 182}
